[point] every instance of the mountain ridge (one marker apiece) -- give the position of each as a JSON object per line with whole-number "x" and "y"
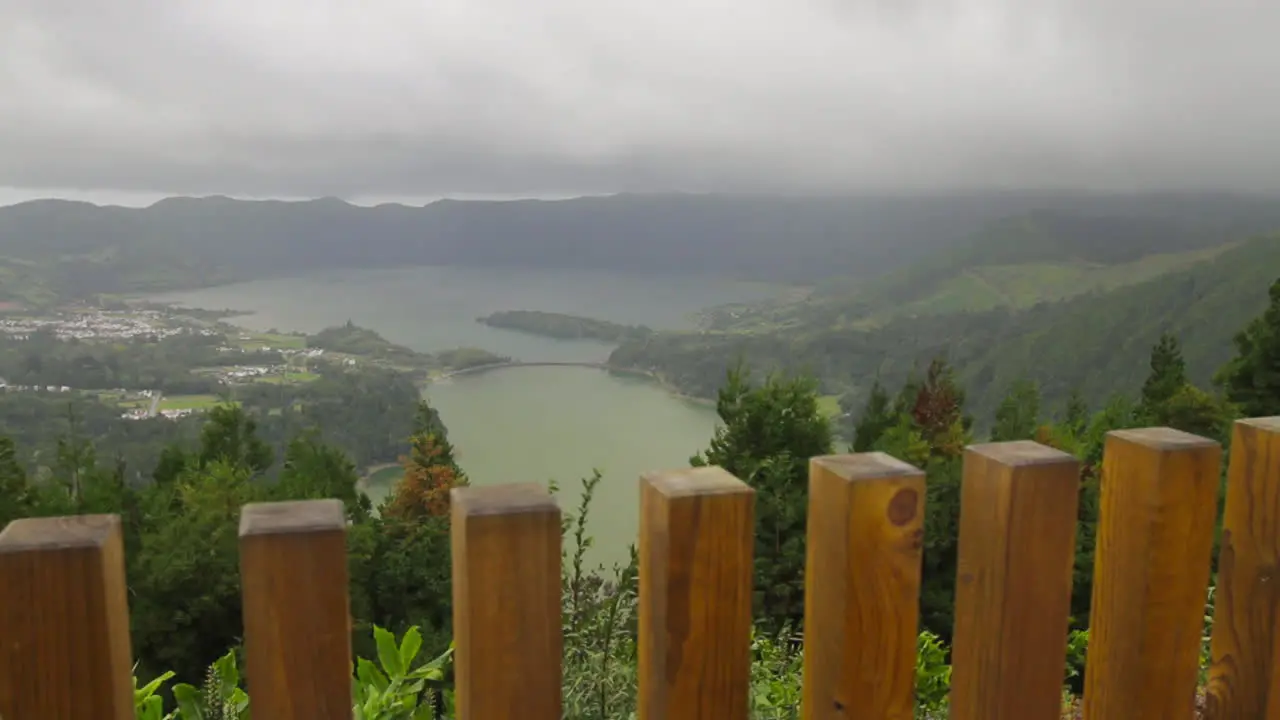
{"x": 81, "y": 248}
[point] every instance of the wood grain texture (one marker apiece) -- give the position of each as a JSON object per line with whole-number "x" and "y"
{"x": 64, "y": 620}
{"x": 1013, "y": 586}
{"x": 696, "y": 550}
{"x": 297, "y": 618}
{"x": 862, "y": 587}
{"x": 506, "y": 602}
{"x": 1155, "y": 536}
{"x": 1244, "y": 680}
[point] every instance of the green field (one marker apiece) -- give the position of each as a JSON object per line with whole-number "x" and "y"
{"x": 189, "y": 402}
{"x": 272, "y": 341}
{"x": 290, "y": 377}
{"x": 18, "y": 282}
{"x": 124, "y": 401}
{"x": 987, "y": 287}
{"x": 829, "y": 405}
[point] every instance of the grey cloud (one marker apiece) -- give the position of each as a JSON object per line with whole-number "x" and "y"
{"x": 405, "y": 97}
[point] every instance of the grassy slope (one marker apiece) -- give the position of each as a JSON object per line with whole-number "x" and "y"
{"x": 987, "y": 287}
{"x": 1097, "y": 341}
{"x": 1014, "y": 263}
{"x": 189, "y": 402}
{"x": 1100, "y": 341}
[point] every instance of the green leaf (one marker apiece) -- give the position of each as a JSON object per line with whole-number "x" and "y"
{"x": 410, "y": 646}
{"x": 240, "y": 703}
{"x": 227, "y": 672}
{"x": 370, "y": 675}
{"x": 388, "y": 653}
{"x": 411, "y": 690}
{"x": 190, "y": 705}
{"x": 150, "y": 708}
{"x": 142, "y": 693}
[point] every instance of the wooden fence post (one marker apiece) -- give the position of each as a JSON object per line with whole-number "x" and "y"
{"x": 697, "y": 530}
{"x": 1155, "y": 536}
{"x": 506, "y": 602}
{"x": 1018, "y": 506}
{"x": 297, "y": 620}
{"x": 862, "y": 586}
{"x": 1244, "y": 682}
{"x": 64, "y": 620}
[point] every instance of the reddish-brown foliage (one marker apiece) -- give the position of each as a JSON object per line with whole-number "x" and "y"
{"x": 429, "y": 475}
{"x": 938, "y": 406}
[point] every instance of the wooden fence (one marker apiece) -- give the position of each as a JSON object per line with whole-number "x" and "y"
{"x": 64, "y": 639}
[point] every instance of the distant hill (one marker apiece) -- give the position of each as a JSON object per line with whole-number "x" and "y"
{"x": 1061, "y": 238}
{"x": 56, "y": 248}
{"x": 1097, "y": 341}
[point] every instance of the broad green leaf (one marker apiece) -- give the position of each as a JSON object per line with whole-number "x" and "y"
{"x": 227, "y": 672}
{"x": 240, "y": 703}
{"x": 369, "y": 674}
{"x": 409, "y": 647}
{"x": 151, "y": 708}
{"x": 150, "y": 688}
{"x": 388, "y": 653}
{"x": 189, "y": 701}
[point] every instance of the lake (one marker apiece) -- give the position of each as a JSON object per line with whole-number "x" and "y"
{"x": 520, "y": 424}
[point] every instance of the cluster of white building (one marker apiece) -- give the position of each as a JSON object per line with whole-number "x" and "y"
{"x": 6, "y": 387}
{"x": 307, "y": 353}
{"x": 99, "y": 325}
{"x": 249, "y": 373}
{"x": 171, "y": 414}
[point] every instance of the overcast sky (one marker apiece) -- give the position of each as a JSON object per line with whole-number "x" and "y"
{"x": 127, "y": 100}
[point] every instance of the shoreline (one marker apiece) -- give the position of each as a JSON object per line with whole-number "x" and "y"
{"x": 653, "y": 376}
{"x": 650, "y": 375}
{"x": 362, "y": 482}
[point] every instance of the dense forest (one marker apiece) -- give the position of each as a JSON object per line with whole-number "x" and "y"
{"x": 1092, "y": 342}
{"x": 363, "y": 407}
{"x": 935, "y": 323}
{"x": 52, "y": 249}
{"x": 363, "y": 412}
{"x": 180, "y": 520}
{"x": 564, "y": 327}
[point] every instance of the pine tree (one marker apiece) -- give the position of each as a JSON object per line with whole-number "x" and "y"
{"x": 1251, "y": 379}
{"x": 17, "y": 496}
{"x": 1168, "y": 375}
{"x": 230, "y": 434}
{"x": 938, "y": 409}
{"x": 429, "y": 474}
{"x": 1018, "y": 415}
{"x": 931, "y": 431}
{"x": 768, "y": 433}
{"x": 876, "y": 419}
{"x": 1076, "y": 417}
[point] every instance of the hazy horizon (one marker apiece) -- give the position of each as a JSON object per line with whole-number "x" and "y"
{"x": 499, "y": 98}
{"x": 106, "y": 198}
{"x": 15, "y": 196}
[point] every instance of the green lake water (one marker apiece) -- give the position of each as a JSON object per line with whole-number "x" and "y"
{"x": 520, "y": 424}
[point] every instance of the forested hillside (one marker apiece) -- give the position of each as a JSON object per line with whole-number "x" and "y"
{"x": 184, "y": 582}
{"x": 1093, "y": 342}
{"x": 57, "y": 249}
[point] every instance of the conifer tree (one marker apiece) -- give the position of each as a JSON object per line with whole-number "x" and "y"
{"x": 768, "y": 433}
{"x": 1168, "y": 375}
{"x": 1018, "y": 415}
{"x": 1252, "y": 378}
{"x": 876, "y": 419}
